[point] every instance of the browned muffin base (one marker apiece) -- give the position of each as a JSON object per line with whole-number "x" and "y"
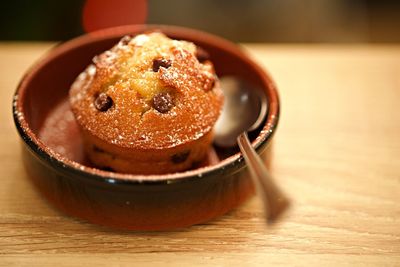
{"x": 155, "y": 161}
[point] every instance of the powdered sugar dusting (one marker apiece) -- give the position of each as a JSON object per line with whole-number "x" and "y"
{"x": 126, "y": 75}
{"x": 140, "y": 39}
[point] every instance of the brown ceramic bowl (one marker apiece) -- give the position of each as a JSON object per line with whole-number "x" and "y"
{"x": 55, "y": 162}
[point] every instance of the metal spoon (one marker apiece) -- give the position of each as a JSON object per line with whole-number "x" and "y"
{"x": 244, "y": 110}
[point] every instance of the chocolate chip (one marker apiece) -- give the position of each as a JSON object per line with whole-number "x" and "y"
{"x": 201, "y": 54}
{"x": 163, "y": 102}
{"x": 209, "y": 84}
{"x": 161, "y": 62}
{"x": 212, "y": 83}
{"x": 180, "y": 157}
{"x": 103, "y": 102}
{"x": 125, "y": 40}
{"x": 98, "y": 149}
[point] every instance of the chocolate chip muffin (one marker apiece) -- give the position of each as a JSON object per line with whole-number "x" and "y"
{"x": 148, "y": 105}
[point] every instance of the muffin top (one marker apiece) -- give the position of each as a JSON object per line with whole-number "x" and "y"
{"x": 148, "y": 92}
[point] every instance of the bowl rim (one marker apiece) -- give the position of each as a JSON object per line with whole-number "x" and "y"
{"x": 68, "y": 166}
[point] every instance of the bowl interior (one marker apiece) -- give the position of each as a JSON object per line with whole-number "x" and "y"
{"x": 43, "y": 93}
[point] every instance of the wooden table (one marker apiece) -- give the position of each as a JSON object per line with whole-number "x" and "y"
{"x": 337, "y": 154}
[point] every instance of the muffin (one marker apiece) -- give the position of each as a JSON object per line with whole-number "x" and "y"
{"x": 148, "y": 105}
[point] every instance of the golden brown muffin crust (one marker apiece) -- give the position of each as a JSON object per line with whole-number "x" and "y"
{"x": 126, "y": 74}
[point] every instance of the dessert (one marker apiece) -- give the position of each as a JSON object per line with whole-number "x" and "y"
{"x": 148, "y": 105}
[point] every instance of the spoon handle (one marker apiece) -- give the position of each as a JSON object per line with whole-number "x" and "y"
{"x": 275, "y": 202}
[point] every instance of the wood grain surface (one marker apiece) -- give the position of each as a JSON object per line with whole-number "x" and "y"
{"x": 336, "y": 154}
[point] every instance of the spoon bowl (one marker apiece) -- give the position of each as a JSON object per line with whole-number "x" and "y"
{"x": 244, "y": 111}
{"x": 242, "y": 100}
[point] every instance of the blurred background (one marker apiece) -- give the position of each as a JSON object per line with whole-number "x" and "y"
{"x": 343, "y": 21}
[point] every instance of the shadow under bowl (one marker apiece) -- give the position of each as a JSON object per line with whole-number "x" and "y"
{"x": 54, "y": 160}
